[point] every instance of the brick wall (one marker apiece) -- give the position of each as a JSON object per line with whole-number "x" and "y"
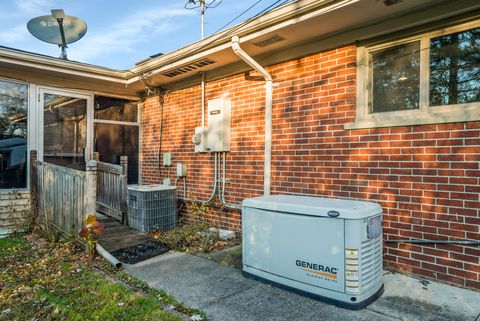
{"x": 425, "y": 177}
{"x": 14, "y": 211}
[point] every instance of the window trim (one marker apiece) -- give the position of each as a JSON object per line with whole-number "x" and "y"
{"x": 426, "y": 114}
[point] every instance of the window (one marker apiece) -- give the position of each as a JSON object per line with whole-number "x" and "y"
{"x": 116, "y": 132}
{"x": 455, "y": 68}
{"x": 433, "y": 78}
{"x": 13, "y": 134}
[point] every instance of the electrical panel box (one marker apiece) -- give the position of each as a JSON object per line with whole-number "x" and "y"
{"x": 199, "y": 139}
{"x": 167, "y": 159}
{"x": 219, "y": 122}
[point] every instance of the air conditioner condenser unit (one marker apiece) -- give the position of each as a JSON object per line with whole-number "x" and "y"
{"x": 330, "y": 249}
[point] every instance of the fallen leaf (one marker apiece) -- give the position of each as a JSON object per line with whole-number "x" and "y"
{"x": 6, "y": 311}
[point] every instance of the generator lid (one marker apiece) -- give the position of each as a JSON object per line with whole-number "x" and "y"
{"x": 315, "y": 206}
{"x": 150, "y": 187}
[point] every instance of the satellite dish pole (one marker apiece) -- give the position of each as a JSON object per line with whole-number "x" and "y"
{"x": 59, "y": 14}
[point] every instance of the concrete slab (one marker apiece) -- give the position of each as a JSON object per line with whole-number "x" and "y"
{"x": 264, "y": 302}
{"x": 224, "y": 294}
{"x": 195, "y": 281}
{"x": 420, "y": 300}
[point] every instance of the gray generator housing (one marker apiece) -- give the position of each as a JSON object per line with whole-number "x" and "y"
{"x": 152, "y": 207}
{"x": 327, "y": 248}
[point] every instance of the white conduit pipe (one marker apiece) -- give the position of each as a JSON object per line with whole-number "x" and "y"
{"x": 110, "y": 258}
{"x": 268, "y": 110}
{"x": 203, "y": 99}
{"x": 214, "y": 191}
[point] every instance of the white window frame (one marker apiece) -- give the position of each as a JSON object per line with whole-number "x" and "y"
{"x": 426, "y": 114}
{"x": 42, "y": 90}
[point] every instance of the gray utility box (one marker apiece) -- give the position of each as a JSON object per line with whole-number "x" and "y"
{"x": 327, "y": 248}
{"x": 152, "y": 207}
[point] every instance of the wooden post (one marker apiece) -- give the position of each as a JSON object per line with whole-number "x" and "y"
{"x": 33, "y": 185}
{"x": 123, "y": 202}
{"x": 91, "y": 189}
{"x": 96, "y": 156}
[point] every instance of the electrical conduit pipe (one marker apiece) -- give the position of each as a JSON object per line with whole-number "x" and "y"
{"x": 268, "y": 110}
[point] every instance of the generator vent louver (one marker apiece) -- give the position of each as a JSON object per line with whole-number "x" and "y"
{"x": 187, "y": 68}
{"x": 370, "y": 262}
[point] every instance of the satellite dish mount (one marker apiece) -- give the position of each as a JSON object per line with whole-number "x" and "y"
{"x": 60, "y": 15}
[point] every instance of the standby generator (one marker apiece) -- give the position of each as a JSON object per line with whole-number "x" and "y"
{"x": 330, "y": 249}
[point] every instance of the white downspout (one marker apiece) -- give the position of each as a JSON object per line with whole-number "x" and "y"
{"x": 268, "y": 110}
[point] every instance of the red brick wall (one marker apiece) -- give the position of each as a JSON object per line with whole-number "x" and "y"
{"x": 425, "y": 177}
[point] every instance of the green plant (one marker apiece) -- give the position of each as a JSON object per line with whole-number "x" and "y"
{"x": 90, "y": 232}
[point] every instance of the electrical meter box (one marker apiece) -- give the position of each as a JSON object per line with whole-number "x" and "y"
{"x": 219, "y": 122}
{"x": 199, "y": 139}
{"x": 327, "y": 248}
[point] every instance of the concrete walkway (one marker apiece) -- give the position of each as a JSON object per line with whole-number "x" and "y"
{"x": 225, "y": 295}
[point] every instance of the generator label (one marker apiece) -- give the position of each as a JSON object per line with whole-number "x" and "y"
{"x": 316, "y": 270}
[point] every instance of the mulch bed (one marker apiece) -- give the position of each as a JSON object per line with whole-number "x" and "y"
{"x": 140, "y": 252}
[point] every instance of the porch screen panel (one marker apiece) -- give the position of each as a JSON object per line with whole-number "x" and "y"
{"x": 64, "y": 131}
{"x": 115, "y": 109}
{"x": 117, "y": 129}
{"x": 13, "y": 135}
{"x": 113, "y": 141}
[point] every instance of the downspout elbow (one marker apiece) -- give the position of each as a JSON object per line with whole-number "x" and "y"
{"x": 268, "y": 109}
{"x": 249, "y": 60}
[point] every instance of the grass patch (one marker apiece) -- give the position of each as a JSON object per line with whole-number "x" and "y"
{"x": 11, "y": 244}
{"x": 57, "y": 281}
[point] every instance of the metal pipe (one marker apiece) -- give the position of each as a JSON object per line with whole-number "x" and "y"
{"x": 268, "y": 110}
{"x": 462, "y": 242}
{"x": 203, "y": 98}
{"x": 224, "y": 180}
{"x": 112, "y": 260}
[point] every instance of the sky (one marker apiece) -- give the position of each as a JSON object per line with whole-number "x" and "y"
{"x": 120, "y": 32}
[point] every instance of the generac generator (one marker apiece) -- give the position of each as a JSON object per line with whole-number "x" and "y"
{"x": 330, "y": 249}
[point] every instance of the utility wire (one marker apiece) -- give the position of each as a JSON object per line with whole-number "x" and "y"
{"x": 212, "y": 4}
{"x": 218, "y": 35}
{"x": 241, "y": 14}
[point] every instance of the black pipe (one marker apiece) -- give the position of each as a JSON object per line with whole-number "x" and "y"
{"x": 462, "y": 242}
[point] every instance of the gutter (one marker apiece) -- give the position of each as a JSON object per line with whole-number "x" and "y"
{"x": 287, "y": 14}
{"x": 268, "y": 111}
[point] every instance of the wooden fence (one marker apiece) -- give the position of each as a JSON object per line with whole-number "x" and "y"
{"x": 61, "y": 198}
{"x": 112, "y": 188}
{"x": 64, "y": 197}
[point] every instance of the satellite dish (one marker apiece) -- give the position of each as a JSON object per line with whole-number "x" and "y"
{"x": 58, "y": 29}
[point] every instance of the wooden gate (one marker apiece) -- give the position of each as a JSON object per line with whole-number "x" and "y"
{"x": 60, "y": 196}
{"x": 112, "y": 188}
{"x": 63, "y": 197}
